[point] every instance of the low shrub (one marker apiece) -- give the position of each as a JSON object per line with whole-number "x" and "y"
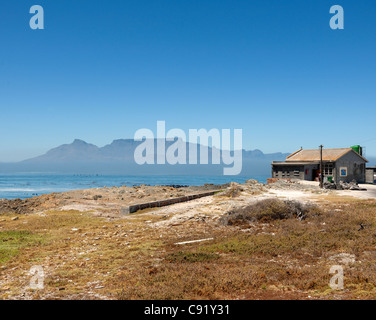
{"x": 269, "y": 210}
{"x": 191, "y": 257}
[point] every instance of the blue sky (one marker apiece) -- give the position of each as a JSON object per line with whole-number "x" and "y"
{"x": 103, "y": 69}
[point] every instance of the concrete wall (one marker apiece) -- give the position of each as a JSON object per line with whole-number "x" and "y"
{"x": 163, "y": 203}
{"x": 288, "y": 172}
{"x": 355, "y": 168}
{"x": 370, "y": 176}
{"x": 308, "y": 171}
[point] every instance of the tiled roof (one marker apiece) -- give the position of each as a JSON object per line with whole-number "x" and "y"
{"x": 314, "y": 154}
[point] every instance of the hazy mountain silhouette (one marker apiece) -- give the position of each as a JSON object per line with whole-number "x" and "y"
{"x": 121, "y": 150}
{"x": 118, "y": 158}
{"x": 78, "y": 150}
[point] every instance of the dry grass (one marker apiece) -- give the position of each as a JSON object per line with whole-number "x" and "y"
{"x": 87, "y": 257}
{"x": 290, "y": 257}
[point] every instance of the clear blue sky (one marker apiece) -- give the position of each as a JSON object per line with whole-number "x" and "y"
{"x": 103, "y": 69}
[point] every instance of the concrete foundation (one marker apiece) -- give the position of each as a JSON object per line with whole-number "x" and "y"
{"x": 156, "y": 204}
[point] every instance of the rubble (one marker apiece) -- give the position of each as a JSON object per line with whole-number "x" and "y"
{"x": 353, "y": 185}
{"x": 330, "y": 185}
{"x": 350, "y": 186}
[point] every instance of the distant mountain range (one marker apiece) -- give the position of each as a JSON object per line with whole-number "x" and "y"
{"x": 118, "y": 157}
{"x": 81, "y": 151}
{"x": 80, "y": 157}
{"x": 120, "y": 150}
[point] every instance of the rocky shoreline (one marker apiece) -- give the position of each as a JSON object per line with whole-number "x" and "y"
{"x": 105, "y": 198}
{"x": 111, "y": 200}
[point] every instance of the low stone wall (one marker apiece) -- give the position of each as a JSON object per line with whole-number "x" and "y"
{"x": 274, "y": 180}
{"x": 163, "y": 203}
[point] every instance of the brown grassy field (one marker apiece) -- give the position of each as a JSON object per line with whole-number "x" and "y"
{"x": 86, "y": 257}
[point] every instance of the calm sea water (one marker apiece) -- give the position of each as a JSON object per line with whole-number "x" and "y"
{"x": 24, "y": 186}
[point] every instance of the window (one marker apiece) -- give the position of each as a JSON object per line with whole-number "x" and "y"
{"x": 328, "y": 169}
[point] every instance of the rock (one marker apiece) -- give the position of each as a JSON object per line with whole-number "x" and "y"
{"x": 329, "y": 185}
{"x": 15, "y": 218}
{"x": 251, "y": 181}
{"x": 236, "y": 186}
{"x": 342, "y": 185}
{"x": 350, "y": 185}
{"x": 343, "y": 258}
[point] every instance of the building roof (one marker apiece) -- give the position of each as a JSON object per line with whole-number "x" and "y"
{"x": 314, "y": 155}
{"x": 291, "y": 163}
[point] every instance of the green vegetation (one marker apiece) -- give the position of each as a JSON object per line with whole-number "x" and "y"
{"x": 11, "y": 242}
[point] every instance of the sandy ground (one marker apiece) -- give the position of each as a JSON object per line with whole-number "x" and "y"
{"x": 304, "y": 191}
{"x": 369, "y": 194}
{"x": 214, "y": 206}
{"x": 108, "y": 202}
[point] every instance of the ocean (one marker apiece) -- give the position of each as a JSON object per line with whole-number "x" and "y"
{"x": 24, "y": 186}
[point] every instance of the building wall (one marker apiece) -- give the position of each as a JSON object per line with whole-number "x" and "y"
{"x": 308, "y": 171}
{"x": 370, "y": 176}
{"x": 298, "y": 172}
{"x": 356, "y": 168}
{"x": 288, "y": 172}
